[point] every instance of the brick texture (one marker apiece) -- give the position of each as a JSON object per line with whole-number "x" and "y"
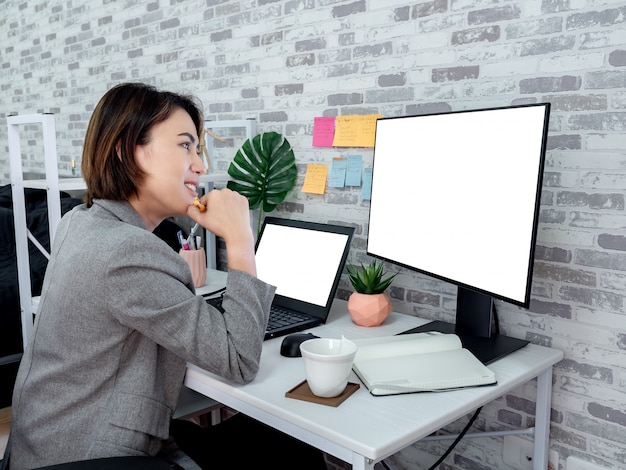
{"x": 284, "y": 62}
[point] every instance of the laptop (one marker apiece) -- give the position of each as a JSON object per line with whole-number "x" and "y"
{"x": 304, "y": 260}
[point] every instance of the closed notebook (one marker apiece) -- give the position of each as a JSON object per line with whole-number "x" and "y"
{"x": 418, "y": 362}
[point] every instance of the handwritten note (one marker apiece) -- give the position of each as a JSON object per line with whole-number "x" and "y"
{"x": 355, "y": 131}
{"x": 323, "y": 131}
{"x": 353, "y": 172}
{"x": 337, "y": 178}
{"x": 315, "y": 178}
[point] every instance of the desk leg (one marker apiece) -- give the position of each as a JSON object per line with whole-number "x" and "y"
{"x": 542, "y": 420}
{"x": 361, "y": 463}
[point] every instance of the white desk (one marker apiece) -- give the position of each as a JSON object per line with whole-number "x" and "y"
{"x": 365, "y": 429}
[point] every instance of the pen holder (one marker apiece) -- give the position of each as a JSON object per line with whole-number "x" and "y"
{"x": 196, "y": 259}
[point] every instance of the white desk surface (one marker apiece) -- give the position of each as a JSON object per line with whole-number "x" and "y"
{"x": 363, "y": 425}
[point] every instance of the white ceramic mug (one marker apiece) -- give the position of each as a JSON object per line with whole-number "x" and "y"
{"x": 327, "y": 364}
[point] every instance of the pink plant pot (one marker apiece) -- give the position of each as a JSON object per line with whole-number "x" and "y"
{"x": 369, "y": 309}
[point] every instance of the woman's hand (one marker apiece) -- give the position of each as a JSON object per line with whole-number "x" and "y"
{"x": 227, "y": 215}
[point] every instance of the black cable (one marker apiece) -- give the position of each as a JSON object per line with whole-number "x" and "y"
{"x": 456, "y": 441}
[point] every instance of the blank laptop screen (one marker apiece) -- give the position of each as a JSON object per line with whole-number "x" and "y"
{"x": 301, "y": 263}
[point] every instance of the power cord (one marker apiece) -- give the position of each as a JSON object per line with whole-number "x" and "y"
{"x": 457, "y": 440}
{"x": 452, "y": 446}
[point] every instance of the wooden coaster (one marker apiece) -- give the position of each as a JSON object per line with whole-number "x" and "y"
{"x": 303, "y": 392}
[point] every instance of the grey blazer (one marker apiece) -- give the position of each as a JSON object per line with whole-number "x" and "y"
{"x": 117, "y": 323}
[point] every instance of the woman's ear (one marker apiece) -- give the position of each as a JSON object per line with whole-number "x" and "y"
{"x": 118, "y": 149}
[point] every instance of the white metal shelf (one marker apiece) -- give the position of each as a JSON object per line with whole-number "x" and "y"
{"x": 52, "y": 185}
{"x": 65, "y": 184}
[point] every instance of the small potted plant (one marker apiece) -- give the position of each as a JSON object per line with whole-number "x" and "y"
{"x": 369, "y": 305}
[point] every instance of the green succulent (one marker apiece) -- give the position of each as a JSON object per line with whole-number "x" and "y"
{"x": 369, "y": 279}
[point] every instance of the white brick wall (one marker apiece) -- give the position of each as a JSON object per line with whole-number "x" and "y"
{"x": 284, "y": 62}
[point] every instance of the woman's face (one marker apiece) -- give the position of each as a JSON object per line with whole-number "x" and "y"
{"x": 173, "y": 168}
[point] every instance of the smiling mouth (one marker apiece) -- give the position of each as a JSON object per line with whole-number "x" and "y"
{"x": 192, "y": 187}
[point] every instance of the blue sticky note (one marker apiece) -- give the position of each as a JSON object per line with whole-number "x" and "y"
{"x": 353, "y": 173}
{"x": 366, "y": 191}
{"x": 337, "y": 177}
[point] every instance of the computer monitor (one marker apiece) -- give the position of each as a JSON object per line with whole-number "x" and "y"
{"x": 456, "y": 196}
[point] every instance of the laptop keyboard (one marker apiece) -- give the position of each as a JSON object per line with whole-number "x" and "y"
{"x": 279, "y": 317}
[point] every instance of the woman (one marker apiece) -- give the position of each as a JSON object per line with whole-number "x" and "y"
{"x": 118, "y": 317}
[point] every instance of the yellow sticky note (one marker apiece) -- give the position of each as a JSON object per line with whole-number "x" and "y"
{"x": 315, "y": 178}
{"x": 355, "y": 131}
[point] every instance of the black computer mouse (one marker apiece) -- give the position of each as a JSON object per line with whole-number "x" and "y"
{"x": 290, "y": 346}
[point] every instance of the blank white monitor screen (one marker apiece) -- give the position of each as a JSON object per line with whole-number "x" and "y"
{"x": 301, "y": 263}
{"x": 455, "y": 195}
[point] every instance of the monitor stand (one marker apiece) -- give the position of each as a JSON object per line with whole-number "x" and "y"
{"x": 486, "y": 350}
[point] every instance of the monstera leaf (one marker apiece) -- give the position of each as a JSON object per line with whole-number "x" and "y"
{"x": 264, "y": 171}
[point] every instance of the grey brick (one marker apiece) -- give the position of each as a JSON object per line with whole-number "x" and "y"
{"x": 594, "y": 298}
{"x": 600, "y": 429}
{"x": 402, "y": 13}
{"x": 607, "y": 413}
{"x": 550, "y": 84}
{"x": 240, "y": 69}
{"x": 346, "y": 39}
{"x": 221, "y": 35}
{"x": 342, "y": 70}
{"x": 250, "y": 93}
{"x": 423, "y": 298}
{"x": 310, "y": 44}
{"x": 427, "y": 108}
{"x": 135, "y": 53}
{"x": 510, "y": 417}
{"x": 375, "y": 50}
{"x": 295, "y": 6}
{"x": 598, "y": 373}
{"x": 485, "y": 33}
{"x": 491, "y": 15}
{"x": 617, "y": 58}
{"x": 577, "y": 102}
{"x": 398, "y": 79}
{"x": 520, "y": 404}
{"x": 593, "y": 201}
{"x": 598, "y": 121}
{"x": 555, "y": 309}
{"x": 596, "y": 18}
{"x": 612, "y": 242}
{"x": 191, "y": 75}
{"x": 455, "y": 73}
{"x": 291, "y": 89}
{"x": 278, "y": 116}
{"x": 422, "y": 10}
{"x": 220, "y": 107}
{"x": 349, "y": 9}
{"x": 569, "y": 438}
{"x": 271, "y": 38}
{"x": 547, "y": 45}
{"x": 605, "y": 79}
{"x": 573, "y": 141}
{"x": 565, "y": 274}
{"x": 300, "y": 59}
{"x": 389, "y": 95}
